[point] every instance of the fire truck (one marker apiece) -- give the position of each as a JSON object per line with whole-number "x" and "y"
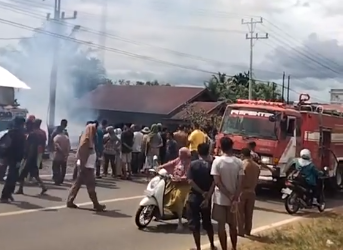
{"x": 280, "y": 131}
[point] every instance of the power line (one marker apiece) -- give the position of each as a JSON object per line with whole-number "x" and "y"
{"x": 97, "y": 46}
{"x": 13, "y": 38}
{"x": 252, "y": 36}
{"x": 305, "y": 55}
{"x": 115, "y": 50}
{"x": 309, "y": 50}
{"x": 111, "y": 36}
{"x": 162, "y": 6}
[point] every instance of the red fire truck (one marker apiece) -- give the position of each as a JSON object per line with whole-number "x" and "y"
{"x": 281, "y": 131}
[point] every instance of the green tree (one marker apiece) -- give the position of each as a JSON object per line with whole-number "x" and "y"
{"x": 236, "y": 87}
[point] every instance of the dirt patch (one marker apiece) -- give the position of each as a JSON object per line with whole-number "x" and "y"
{"x": 323, "y": 231}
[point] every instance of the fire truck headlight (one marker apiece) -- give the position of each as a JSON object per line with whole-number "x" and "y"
{"x": 266, "y": 160}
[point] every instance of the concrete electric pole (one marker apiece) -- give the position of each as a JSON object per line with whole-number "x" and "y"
{"x": 57, "y": 20}
{"x": 102, "y": 38}
{"x": 252, "y": 36}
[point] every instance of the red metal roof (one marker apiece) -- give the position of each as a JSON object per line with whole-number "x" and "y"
{"x": 208, "y": 107}
{"x": 141, "y": 99}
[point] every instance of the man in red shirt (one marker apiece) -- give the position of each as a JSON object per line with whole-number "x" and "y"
{"x": 43, "y": 140}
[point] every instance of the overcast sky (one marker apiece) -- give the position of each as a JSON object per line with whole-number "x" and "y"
{"x": 207, "y": 36}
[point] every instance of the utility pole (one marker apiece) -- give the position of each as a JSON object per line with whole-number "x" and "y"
{"x": 283, "y": 87}
{"x": 102, "y": 38}
{"x": 57, "y": 20}
{"x": 252, "y": 36}
{"x": 288, "y": 85}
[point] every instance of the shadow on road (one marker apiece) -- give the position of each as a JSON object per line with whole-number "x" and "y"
{"x": 107, "y": 213}
{"x": 24, "y": 205}
{"x": 46, "y": 197}
{"x": 170, "y": 228}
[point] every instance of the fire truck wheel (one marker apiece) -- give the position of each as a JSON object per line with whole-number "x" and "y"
{"x": 335, "y": 183}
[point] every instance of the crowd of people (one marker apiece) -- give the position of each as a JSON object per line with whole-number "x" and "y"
{"x": 226, "y": 181}
{"x": 186, "y": 154}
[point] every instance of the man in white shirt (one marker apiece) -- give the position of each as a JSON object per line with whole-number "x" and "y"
{"x": 228, "y": 172}
{"x": 136, "y": 163}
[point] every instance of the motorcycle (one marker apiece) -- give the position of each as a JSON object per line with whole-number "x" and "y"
{"x": 297, "y": 196}
{"x": 151, "y": 206}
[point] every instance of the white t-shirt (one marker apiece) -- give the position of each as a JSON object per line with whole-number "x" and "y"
{"x": 229, "y": 168}
{"x": 137, "y": 142}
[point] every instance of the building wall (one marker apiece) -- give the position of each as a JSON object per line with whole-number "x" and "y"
{"x": 336, "y": 96}
{"x": 118, "y": 117}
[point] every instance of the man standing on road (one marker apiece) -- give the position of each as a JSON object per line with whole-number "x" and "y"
{"x": 14, "y": 153}
{"x": 199, "y": 199}
{"x": 99, "y": 147}
{"x": 111, "y": 145}
{"x": 59, "y": 163}
{"x": 228, "y": 172}
{"x": 126, "y": 152}
{"x": 137, "y": 161}
{"x": 248, "y": 196}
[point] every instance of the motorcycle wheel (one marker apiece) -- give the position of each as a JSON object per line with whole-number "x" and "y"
{"x": 292, "y": 206}
{"x": 144, "y": 216}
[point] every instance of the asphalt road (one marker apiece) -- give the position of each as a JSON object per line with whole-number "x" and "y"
{"x": 36, "y": 222}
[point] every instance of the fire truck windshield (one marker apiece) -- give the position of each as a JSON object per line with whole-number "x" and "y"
{"x": 248, "y": 126}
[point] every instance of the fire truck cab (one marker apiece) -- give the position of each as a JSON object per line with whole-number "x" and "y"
{"x": 280, "y": 131}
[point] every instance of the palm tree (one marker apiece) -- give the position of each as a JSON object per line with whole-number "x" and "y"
{"x": 237, "y": 87}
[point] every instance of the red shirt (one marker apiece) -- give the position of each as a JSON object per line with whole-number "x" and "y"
{"x": 42, "y": 140}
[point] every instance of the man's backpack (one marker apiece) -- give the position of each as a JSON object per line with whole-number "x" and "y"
{"x": 5, "y": 144}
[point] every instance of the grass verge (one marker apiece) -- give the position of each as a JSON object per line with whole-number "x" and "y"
{"x": 324, "y": 231}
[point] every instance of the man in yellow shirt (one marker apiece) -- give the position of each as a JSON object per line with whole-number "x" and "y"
{"x": 195, "y": 139}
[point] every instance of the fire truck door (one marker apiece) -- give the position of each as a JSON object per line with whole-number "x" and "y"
{"x": 324, "y": 148}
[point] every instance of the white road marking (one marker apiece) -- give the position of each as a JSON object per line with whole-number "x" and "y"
{"x": 50, "y": 175}
{"x": 269, "y": 226}
{"x": 64, "y": 206}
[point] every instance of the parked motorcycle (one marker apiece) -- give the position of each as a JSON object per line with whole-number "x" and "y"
{"x": 298, "y": 196}
{"x": 152, "y": 204}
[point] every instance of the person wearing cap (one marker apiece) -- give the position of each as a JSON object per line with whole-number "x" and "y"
{"x": 308, "y": 172}
{"x": 14, "y": 154}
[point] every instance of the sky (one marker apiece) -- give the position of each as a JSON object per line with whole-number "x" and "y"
{"x": 183, "y": 42}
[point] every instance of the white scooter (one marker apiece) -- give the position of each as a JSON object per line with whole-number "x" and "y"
{"x": 152, "y": 204}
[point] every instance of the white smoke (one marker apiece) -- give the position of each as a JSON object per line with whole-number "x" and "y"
{"x": 32, "y": 63}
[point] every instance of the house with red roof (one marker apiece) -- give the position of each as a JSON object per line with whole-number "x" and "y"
{"x": 145, "y": 105}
